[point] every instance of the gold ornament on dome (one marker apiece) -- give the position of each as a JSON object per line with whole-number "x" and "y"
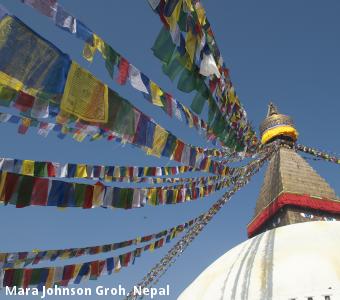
{"x": 276, "y": 124}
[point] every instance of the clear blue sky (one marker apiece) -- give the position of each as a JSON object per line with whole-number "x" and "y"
{"x": 287, "y": 51}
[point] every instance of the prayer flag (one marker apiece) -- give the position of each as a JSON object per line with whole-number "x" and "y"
{"x": 163, "y": 46}
{"x": 136, "y": 79}
{"x": 85, "y": 96}
{"x": 28, "y": 167}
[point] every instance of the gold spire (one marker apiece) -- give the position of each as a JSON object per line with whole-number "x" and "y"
{"x": 277, "y": 125}
{"x": 272, "y": 109}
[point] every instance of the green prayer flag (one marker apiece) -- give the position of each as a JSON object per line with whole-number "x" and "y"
{"x": 182, "y": 21}
{"x": 34, "y": 123}
{"x": 218, "y": 124}
{"x": 198, "y": 101}
{"x": 173, "y": 67}
{"x": 18, "y": 277}
{"x": 80, "y": 191}
{"x": 121, "y": 115}
{"x": 153, "y": 199}
{"x": 40, "y": 169}
{"x": 7, "y": 95}
{"x": 239, "y": 147}
{"x": 111, "y": 59}
{"x": 187, "y": 81}
{"x": 123, "y": 198}
{"x": 163, "y": 47}
{"x": 35, "y": 277}
{"x": 212, "y": 111}
{"x": 123, "y": 171}
{"x": 149, "y": 172}
{"x": 25, "y": 191}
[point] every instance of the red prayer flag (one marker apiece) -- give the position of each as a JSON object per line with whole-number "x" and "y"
{"x": 123, "y": 70}
{"x": 126, "y": 259}
{"x": 88, "y": 197}
{"x": 169, "y": 108}
{"x": 27, "y": 278}
{"x": 8, "y": 278}
{"x": 51, "y": 170}
{"x": 179, "y": 150}
{"x": 40, "y": 192}
{"x": 10, "y": 186}
{"x": 94, "y": 270}
{"x": 24, "y": 102}
{"x": 67, "y": 275}
{"x": 161, "y": 14}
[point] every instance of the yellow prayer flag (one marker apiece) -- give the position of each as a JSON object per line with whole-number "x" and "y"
{"x": 65, "y": 254}
{"x": 98, "y": 194}
{"x": 189, "y": 115}
{"x": 145, "y": 171}
{"x": 190, "y": 45}
{"x": 2, "y": 185}
{"x": 152, "y": 196}
{"x": 188, "y": 4}
{"x": 76, "y": 270}
{"x": 108, "y": 178}
{"x": 207, "y": 166}
{"x": 27, "y": 167}
{"x": 88, "y": 52}
{"x": 200, "y": 13}
{"x": 11, "y": 82}
{"x": 164, "y": 193}
{"x": 81, "y": 171}
{"x": 201, "y": 191}
{"x": 156, "y": 93}
{"x": 231, "y": 95}
{"x": 79, "y": 136}
{"x": 116, "y": 172}
{"x": 173, "y": 19}
{"x": 152, "y": 247}
{"x": 159, "y": 141}
{"x": 85, "y": 96}
{"x": 26, "y": 122}
{"x": 175, "y": 194}
{"x": 50, "y": 278}
{"x": 99, "y": 44}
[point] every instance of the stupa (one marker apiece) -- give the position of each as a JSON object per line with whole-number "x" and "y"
{"x": 294, "y": 237}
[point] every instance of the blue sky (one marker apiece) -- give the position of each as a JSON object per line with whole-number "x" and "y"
{"x": 286, "y": 51}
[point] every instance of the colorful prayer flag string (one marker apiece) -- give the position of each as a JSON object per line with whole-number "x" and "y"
{"x": 318, "y": 153}
{"x": 76, "y": 273}
{"x": 126, "y": 71}
{"x": 23, "y": 190}
{"x": 23, "y": 259}
{"x": 79, "y": 134}
{"x": 123, "y": 118}
{"x": 88, "y": 171}
{"x": 187, "y": 47}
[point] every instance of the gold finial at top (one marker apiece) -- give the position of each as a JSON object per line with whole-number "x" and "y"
{"x": 272, "y": 109}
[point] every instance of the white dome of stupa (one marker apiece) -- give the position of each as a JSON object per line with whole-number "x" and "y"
{"x": 293, "y": 262}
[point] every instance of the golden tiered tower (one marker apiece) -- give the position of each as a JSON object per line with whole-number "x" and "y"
{"x": 292, "y": 191}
